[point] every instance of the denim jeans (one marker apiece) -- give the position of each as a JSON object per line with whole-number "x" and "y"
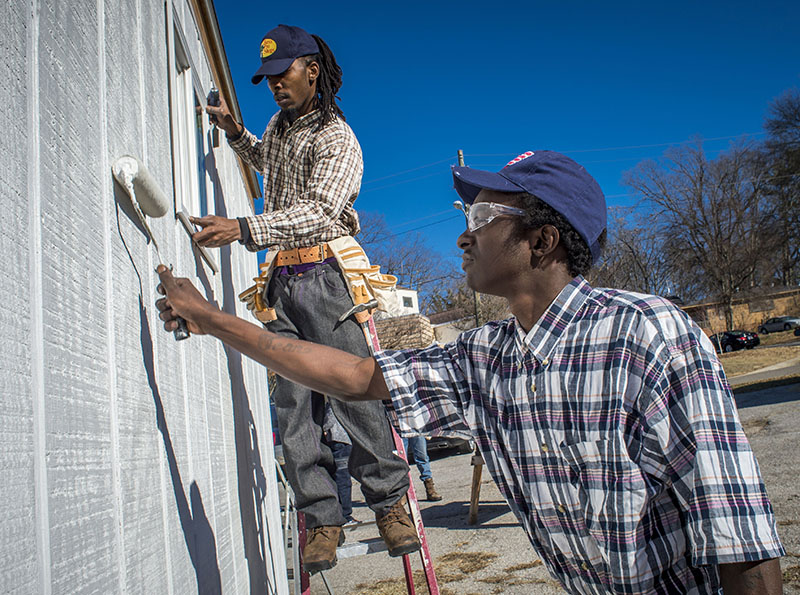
{"x": 419, "y": 447}
{"x": 308, "y": 306}
{"x": 342, "y": 477}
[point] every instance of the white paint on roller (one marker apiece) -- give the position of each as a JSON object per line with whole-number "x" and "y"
{"x": 146, "y": 197}
{"x": 134, "y": 175}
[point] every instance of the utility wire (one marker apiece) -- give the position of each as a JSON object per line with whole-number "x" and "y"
{"x": 601, "y": 149}
{"x": 684, "y": 142}
{"x": 400, "y": 173}
{"x": 624, "y": 195}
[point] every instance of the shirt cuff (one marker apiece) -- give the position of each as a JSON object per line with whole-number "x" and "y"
{"x": 235, "y": 137}
{"x": 244, "y": 230}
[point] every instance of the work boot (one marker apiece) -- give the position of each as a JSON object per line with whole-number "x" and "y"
{"x": 320, "y": 551}
{"x": 398, "y": 531}
{"x": 430, "y": 491}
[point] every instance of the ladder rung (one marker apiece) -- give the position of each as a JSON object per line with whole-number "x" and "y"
{"x": 361, "y": 548}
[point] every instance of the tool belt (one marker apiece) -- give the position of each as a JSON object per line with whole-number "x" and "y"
{"x": 295, "y": 256}
{"x": 364, "y": 280}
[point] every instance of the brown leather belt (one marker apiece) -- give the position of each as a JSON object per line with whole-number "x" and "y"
{"x": 295, "y": 256}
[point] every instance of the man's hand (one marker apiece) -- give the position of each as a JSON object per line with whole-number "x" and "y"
{"x": 217, "y": 231}
{"x": 182, "y": 300}
{"x": 762, "y": 577}
{"x": 224, "y": 119}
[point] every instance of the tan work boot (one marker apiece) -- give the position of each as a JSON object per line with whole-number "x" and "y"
{"x": 320, "y": 551}
{"x": 430, "y": 491}
{"x": 398, "y": 531}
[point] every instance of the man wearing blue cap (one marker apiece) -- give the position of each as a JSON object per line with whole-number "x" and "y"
{"x": 312, "y": 169}
{"x": 604, "y": 416}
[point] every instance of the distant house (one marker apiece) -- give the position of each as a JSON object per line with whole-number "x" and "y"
{"x": 406, "y": 328}
{"x": 447, "y": 325}
{"x": 409, "y": 301}
{"x": 749, "y": 309}
{"x": 130, "y": 463}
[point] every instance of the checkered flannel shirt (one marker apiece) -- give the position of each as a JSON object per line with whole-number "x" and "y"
{"x": 612, "y": 433}
{"x": 311, "y": 179}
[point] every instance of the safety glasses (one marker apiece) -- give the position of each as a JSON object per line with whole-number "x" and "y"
{"x": 483, "y": 213}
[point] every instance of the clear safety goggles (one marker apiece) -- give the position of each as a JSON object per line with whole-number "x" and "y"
{"x": 483, "y": 213}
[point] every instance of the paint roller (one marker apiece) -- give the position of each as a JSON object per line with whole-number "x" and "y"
{"x": 148, "y": 201}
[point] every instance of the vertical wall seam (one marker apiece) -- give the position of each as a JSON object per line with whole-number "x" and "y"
{"x": 113, "y": 394}
{"x": 41, "y": 488}
{"x": 157, "y": 342}
{"x": 226, "y": 444}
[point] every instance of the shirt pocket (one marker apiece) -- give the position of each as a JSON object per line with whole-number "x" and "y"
{"x": 612, "y": 493}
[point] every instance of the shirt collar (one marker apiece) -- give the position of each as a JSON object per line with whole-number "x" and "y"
{"x": 544, "y": 335}
{"x": 307, "y": 119}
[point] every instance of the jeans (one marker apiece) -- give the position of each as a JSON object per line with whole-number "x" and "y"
{"x": 342, "y": 477}
{"x": 419, "y": 447}
{"x": 308, "y": 306}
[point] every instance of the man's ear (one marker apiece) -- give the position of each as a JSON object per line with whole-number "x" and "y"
{"x": 312, "y": 71}
{"x": 543, "y": 240}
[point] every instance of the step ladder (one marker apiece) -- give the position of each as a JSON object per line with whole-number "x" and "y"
{"x": 294, "y": 529}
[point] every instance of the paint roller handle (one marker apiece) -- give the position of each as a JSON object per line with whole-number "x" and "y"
{"x": 182, "y": 332}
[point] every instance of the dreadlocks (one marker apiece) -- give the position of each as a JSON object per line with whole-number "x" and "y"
{"x": 329, "y": 82}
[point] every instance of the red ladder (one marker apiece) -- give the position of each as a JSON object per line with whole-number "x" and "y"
{"x": 303, "y": 586}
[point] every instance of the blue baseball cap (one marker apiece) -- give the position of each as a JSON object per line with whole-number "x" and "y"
{"x": 280, "y": 47}
{"x": 551, "y": 177}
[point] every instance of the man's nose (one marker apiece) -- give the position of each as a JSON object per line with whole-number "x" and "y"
{"x": 464, "y": 241}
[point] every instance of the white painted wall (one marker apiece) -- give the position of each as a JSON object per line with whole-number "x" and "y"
{"x": 129, "y": 463}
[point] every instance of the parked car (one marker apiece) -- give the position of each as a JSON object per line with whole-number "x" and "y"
{"x": 728, "y": 341}
{"x": 450, "y": 444}
{"x": 779, "y": 323}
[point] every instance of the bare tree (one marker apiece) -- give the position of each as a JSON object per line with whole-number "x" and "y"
{"x": 713, "y": 216}
{"x": 409, "y": 257}
{"x": 783, "y": 151}
{"x": 475, "y": 308}
{"x": 634, "y": 258}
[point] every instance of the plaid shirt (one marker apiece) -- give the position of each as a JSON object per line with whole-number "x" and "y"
{"x": 612, "y": 433}
{"x": 311, "y": 179}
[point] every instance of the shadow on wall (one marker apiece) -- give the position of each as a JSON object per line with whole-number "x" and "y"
{"x": 252, "y": 480}
{"x": 197, "y": 531}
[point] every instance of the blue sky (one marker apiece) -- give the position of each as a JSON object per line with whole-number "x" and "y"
{"x": 609, "y": 84}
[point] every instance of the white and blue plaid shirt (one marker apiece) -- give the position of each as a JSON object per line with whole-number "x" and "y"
{"x": 612, "y": 433}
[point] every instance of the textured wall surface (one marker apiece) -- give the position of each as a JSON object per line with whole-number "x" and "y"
{"x": 129, "y": 462}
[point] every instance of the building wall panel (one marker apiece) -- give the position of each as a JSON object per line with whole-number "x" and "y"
{"x": 78, "y": 441}
{"x": 131, "y": 467}
{"x": 18, "y": 564}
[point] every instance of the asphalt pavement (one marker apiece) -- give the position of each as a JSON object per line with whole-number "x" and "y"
{"x": 494, "y": 555}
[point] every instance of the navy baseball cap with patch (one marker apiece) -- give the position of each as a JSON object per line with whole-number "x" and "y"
{"x": 280, "y": 47}
{"x": 552, "y": 178}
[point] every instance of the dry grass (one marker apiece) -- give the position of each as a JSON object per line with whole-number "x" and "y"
{"x": 449, "y": 569}
{"x": 791, "y": 576}
{"x": 397, "y": 586}
{"x": 525, "y": 566}
{"x": 750, "y": 360}
{"x": 464, "y": 562}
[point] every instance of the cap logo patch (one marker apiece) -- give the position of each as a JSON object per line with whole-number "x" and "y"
{"x": 268, "y": 48}
{"x": 519, "y": 158}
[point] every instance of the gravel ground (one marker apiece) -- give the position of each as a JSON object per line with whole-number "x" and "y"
{"x": 494, "y": 556}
